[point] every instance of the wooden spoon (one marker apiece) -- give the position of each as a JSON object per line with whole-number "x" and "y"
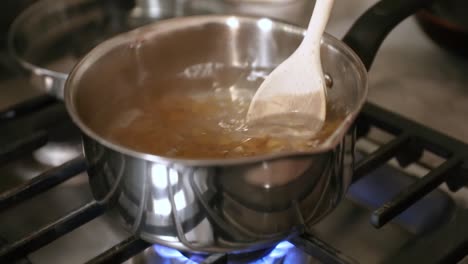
{"x": 294, "y": 93}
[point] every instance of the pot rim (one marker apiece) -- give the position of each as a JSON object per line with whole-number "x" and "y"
{"x": 24, "y": 17}
{"x": 159, "y": 27}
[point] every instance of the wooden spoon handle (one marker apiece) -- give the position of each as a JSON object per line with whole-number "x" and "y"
{"x": 318, "y": 21}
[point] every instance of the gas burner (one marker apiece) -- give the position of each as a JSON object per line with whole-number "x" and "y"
{"x": 283, "y": 253}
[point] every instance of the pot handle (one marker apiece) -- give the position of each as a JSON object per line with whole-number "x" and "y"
{"x": 368, "y": 32}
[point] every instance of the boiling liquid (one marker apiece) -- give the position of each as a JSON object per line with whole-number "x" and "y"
{"x": 201, "y": 122}
{"x": 180, "y": 126}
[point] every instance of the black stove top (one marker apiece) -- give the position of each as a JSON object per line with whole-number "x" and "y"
{"x": 29, "y": 125}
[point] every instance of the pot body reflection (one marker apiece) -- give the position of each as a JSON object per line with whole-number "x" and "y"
{"x": 220, "y": 208}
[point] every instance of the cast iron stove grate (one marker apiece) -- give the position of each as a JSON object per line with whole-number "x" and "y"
{"x": 26, "y": 126}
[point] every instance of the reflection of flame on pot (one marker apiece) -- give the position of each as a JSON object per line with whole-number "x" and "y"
{"x": 160, "y": 179}
{"x": 159, "y": 176}
{"x": 163, "y": 206}
{"x": 276, "y": 255}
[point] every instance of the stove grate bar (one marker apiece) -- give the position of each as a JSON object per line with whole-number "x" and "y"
{"x": 321, "y": 250}
{"x": 42, "y": 183}
{"x": 411, "y": 139}
{"x": 50, "y": 232}
{"x": 42, "y": 119}
{"x": 23, "y": 146}
{"x": 26, "y": 107}
{"x": 216, "y": 259}
{"x": 414, "y": 192}
{"x": 379, "y": 157}
{"x": 456, "y": 254}
{"x": 428, "y": 138}
{"x": 121, "y": 252}
{"x": 25, "y": 134}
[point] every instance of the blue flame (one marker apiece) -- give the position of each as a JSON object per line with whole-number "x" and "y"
{"x": 172, "y": 254}
{"x": 278, "y": 252}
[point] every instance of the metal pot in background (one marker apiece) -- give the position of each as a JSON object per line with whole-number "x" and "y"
{"x": 9, "y": 11}
{"x": 292, "y": 11}
{"x": 49, "y": 37}
{"x": 446, "y": 23}
{"x": 225, "y": 205}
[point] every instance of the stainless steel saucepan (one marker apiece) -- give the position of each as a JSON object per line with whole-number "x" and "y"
{"x": 223, "y": 205}
{"x": 49, "y": 37}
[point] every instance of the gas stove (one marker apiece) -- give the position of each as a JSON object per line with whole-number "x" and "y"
{"x": 407, "y": 204}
